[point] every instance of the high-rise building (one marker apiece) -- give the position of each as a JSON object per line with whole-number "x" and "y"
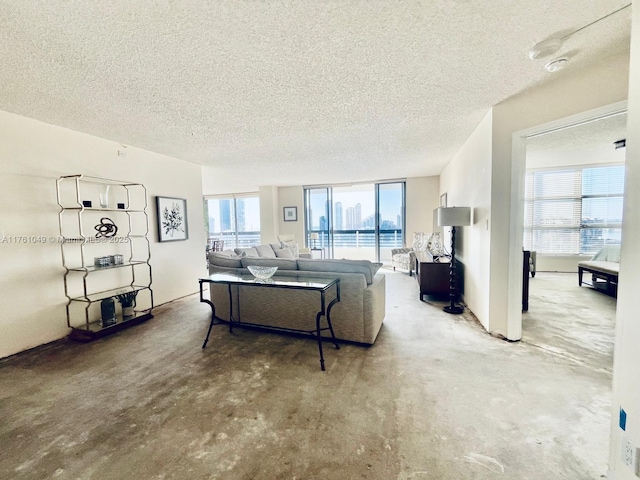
{"x": 240, "y": 215}
{"x": 350, "y": 214}
{"x": 226, "y": 220}
{"x": 357, "y": 216}
{"x": 337, "y": 217}
{"x": 323, "y": 223}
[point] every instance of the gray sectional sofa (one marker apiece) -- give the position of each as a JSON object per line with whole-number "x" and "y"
{"x": 356, "y": 318}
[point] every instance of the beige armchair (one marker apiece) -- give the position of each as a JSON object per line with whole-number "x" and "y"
{"x": 404, "y": 258}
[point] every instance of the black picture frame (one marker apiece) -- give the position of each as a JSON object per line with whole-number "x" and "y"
{"x": 290, "y": 214}
{"x": 171, "y": 214}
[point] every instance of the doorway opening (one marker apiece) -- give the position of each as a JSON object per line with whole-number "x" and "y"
{"x": 517, "y": 225}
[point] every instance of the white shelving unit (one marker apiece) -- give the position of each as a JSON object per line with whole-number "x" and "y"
{"x": 103, "y": 218}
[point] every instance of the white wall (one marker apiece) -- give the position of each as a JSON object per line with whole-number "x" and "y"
{"x": 292, "y": 197}
{"x": 422, "y": 198}
{"x": 626, "y": 374}
{"x": 603, "y": 154}
{"x": 268, "y": 214}
{"x": 559, "y": 263}
{"x": 33, "y": 155}
{"x": 467, "y": 182}
{"x": 573, "y": 92}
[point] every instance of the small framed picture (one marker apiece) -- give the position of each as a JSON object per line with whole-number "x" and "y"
{"x": 172, "y": 219}
{"x": 443, "y": 200}
{"x": 290, "y": 214}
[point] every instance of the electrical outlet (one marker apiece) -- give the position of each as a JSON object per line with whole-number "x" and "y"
{"x": 629, "y": 454}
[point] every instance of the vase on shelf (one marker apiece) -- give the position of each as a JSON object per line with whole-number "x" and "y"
{"x": 128, "y": 302}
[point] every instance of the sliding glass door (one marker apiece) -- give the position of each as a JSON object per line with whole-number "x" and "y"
{"x": 363, "y": 221}
{"x": 390, "y": 202}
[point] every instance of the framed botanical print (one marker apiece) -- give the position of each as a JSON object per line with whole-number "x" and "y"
{"x": 172, "y": 219}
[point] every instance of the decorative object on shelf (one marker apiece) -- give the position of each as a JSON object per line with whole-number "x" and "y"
{"x": 453, "y": 217}
{"x": 172, "y": 219}
{"x": 86, "y": 203}
{"x": 108, "y": 312}
{"x": 262, "y": 272}
{"x": 290, "y": 214}
{"x": 435, "y": 247}
{"x": 106, "y": 228}
{"x": 128, "y": 302}
{"x": 120, "y": 206}
{"x": 314, "y": 236}
{"x": 102, "y": 261}
{"x": 108, "y": 260}
{"x": 104, "y": 197}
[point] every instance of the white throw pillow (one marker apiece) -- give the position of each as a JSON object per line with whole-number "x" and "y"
{"x": 293, "y": 246}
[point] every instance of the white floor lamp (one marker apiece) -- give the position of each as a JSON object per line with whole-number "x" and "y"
{"x": 453, "y": 217}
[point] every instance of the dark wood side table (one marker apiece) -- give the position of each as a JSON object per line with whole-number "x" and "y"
{"x": 432, "y": 276}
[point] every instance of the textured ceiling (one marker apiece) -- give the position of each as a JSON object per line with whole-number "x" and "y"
{"x": 590, "y": 142}
{"x": 588, "y": 135}
{"x": 288, "y": 92}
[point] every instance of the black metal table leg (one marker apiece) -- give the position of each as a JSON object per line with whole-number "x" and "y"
{"x": 318, "y": 334}
{"x": 213, "y": 314}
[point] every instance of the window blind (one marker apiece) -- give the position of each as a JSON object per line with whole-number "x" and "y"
{"x": 574, "y": 210}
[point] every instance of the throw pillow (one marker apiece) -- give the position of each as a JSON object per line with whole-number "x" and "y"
{"x": 247, "y": 252}
{"x": 284, "y": 253}
{"x": 265, "y": 251}
{"x": 293, "y": 246}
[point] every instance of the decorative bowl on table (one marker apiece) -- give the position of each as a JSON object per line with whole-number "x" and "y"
{"x": 262, "y": 273}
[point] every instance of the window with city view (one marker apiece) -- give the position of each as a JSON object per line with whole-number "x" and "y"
{"x": 235, "y": 219}
{"x": 346, "y": 221}
{"x": 573, "y": 210}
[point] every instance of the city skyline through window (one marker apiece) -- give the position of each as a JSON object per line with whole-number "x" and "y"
{"x": 236, "y": 220}
{"x": 345, "y": 218}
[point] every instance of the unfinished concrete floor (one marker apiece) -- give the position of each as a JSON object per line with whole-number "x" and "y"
{"x": 435, "y": 398}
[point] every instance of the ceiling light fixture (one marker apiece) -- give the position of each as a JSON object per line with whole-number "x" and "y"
{"x": 556, "y": 64}
{"x": 552, "y": 45}
{"x": 545, "y": 48}
{"x": 620, "y": 143}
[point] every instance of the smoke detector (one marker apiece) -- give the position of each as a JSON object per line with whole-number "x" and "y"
{"x": 556, "y": 64}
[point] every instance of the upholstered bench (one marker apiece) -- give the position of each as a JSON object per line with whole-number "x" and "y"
{"x": 603, "y": 267}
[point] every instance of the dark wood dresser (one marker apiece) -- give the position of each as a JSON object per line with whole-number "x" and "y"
{"x": 432, "y": 276}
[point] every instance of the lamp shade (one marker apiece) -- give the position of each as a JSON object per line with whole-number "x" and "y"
{"x": 454, "y": 216}
{"x": 314, "y": 236}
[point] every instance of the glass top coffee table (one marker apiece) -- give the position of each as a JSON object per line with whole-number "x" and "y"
{"x": 294, "y": 282}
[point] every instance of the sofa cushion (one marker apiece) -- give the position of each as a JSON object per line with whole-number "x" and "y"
{"x": 364, "y": 267}
{"x": 221, "y": 259}
{"x": 247, "y": 252}
{"x": 265, "y": 251}
{"x": 284, "y": 253}
{"x": 281, "y": 263}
